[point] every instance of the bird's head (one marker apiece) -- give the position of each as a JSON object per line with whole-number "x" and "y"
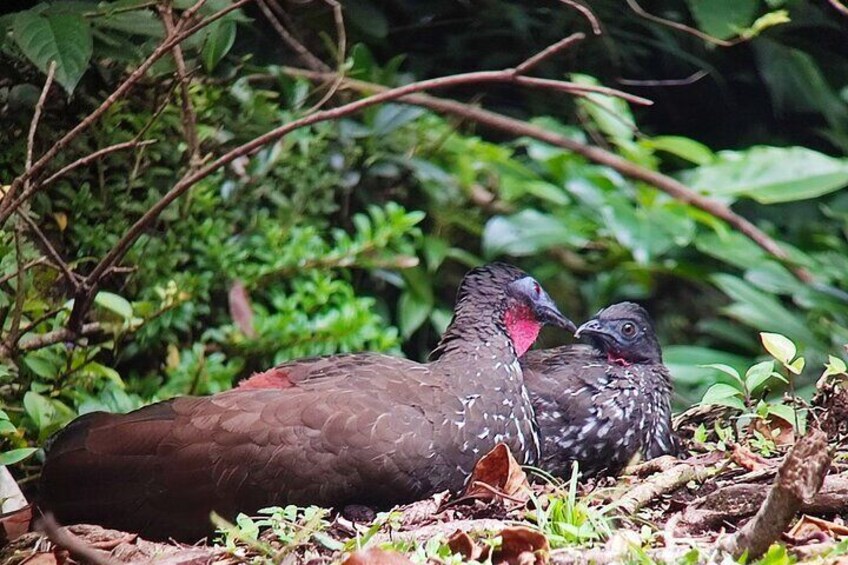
{"x": 518, "y": 303}
{"x": 625, "y": 333}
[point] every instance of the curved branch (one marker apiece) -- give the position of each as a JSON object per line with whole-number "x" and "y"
{"x": 670, "y": 186}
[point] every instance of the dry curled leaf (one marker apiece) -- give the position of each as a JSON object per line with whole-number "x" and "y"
{"x": 461, "y": 543}
{"x": 747, "y": 459}
{"x": 240, "y": 310}
{"x": 497, "y": 475}
{"x": 376, "y": 556}
{"x": 777, "y": 429}
{"x": 810, "y": 528}
{"x": 522, "y": 546}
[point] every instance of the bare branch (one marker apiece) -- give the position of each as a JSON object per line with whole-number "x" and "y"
{"x": 683, "y": 27}
{"x": 70, "y": 276}
{"x": 33, "y": 126}
{"x": 548, "y": 52}
{"x": 189, "y": 117}
{"x": 587, "y": 13}
{"x": 839, "y": 7}
{"x": 58, "y": 336}
{"x": 693, "y": 78}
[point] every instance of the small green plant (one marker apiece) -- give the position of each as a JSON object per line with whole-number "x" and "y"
{"x": 567, "y": 520}
{"x": 748, "y": 393}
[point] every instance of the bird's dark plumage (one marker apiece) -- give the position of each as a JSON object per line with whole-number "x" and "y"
{"x": 356, "y": 429}
{"x": 605, "y": 404}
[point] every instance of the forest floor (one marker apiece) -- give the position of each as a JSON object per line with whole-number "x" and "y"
{"x": 755, "y": 501}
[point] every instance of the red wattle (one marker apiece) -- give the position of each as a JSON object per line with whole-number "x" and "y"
{"x": 523, "y": 328}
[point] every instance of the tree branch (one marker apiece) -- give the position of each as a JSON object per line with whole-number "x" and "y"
{"x": 670, "y": 186}
{"x": 289, "y": 39}
{"x": 89, "y": 286}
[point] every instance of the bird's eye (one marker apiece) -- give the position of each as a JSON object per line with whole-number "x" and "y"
{"x": 628, "y": 329}
{"x": 536, "y": 288}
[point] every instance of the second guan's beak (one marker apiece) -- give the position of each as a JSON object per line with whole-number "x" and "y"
{"x": 591, "y": 327}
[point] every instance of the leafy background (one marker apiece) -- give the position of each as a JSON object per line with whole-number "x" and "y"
{"x": 353, "y": 234}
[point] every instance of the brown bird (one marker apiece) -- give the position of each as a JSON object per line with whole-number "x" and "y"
{"x": 602, "y": 406}
{"x": 362, "y": 429}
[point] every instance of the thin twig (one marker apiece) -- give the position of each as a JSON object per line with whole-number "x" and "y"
{"x": 587, "y": 13}
{"x": 549, "y": 51}
{"x": 683, "y": 27}
{"x": 189, "y": 116}
{"x": 341, "y": 49}
{"x": 839, "y": 7}
{"x": 670, "y": 186}
{"x": 58, "y": 336}
{"x": 660, "y": 484}
{"x": 289, "y": 39}
{"x": 118, "y": 93}
{"x": 25, "y": 267}
{"x": 36, "y": 116}
{"x": 691, "y": 79}
{"x": 70, "y": 276}
{"x": 20, "y": 294}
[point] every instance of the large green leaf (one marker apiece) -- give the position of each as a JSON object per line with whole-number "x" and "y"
{"x": 761, "y": 311}
{"x": 612, "y": 115}
{"x": 16, "y": 455}
{"x": 527, "y": 233}
{"x": 771, "y": 174}
{"x": 219, "y": 40}
{"x": 64, "y": 38}
{"x": 723, "y": 18}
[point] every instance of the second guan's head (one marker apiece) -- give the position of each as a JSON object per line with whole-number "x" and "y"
{"x": 625, "y": 333}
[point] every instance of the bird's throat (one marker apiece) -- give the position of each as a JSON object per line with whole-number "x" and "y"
{"x": 522, "y": 327}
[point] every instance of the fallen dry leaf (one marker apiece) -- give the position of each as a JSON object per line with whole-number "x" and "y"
{"x": 810, "y": 528}
{"x": 779, "y": 430}
{"x": 462, "y": 544}
{"x": 522, "y": 546}
{"x": 376, "y": 556}
{"x": 15, "y": 512}
{"x": 747, "y": 459}
{"x": 48, "y": 558}
{"x": 240, "y": 310}
{"x": 497, "y": 475}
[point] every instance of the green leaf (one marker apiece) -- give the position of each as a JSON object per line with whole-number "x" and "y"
{"x": 797, "y": 366}
{"x": 16, "y": 455}
{"x": 39, "y": 409}
{"x": 687, "y": 363}
{"x": 723, "y": 18}
{"x": 758, "y": 375}
{"x": 771, "y": 174}
{"x": 682, "y": 147}
{"x": 392, "y": 116}
{"x": 114, "y": 303}
{"x": 724, "y": 395}
{"x": 7, "y": 427}
{"x": 219, "y": 40}
{"x": 726, "y": 369}
{"x": 612, "y": 115}
{"x": 413, "y": 310}
{"x": 782, "y": 411}
{"x": 834, "y": 366}
{"x": 61, "y": 37}
{"x": 760, "y": 310}
{"x": 779, "y": 346}
{"x": 526, "y": 233}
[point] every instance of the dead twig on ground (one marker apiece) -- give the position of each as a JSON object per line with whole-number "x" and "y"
{"x": 799, "y": 479}
{"x": 663, "y": 483}
{"x": 75, "y": 546}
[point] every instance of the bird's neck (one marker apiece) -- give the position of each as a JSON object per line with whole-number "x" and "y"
{"x": 475, "y": 339}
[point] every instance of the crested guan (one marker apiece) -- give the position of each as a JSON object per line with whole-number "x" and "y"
{"x": 604, "y": 405}
{"x": 362, "y": 429}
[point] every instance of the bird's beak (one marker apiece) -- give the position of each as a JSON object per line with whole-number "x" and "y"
{"x": 591, "y": 327}
{"x": 548, "y": 313}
